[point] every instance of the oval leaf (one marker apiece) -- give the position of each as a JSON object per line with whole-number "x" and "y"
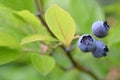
{"x": 30, "y": 18}
{"x": 36, "y": 37}
{"x": 8, "y": 55}
{"x": 61, "y": 24}
{"x": 8, "y": 40}
{"x": 19, "y": 5}
{"x": 43, "y": 63}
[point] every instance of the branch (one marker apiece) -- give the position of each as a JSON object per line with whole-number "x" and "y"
{"x": 75, "y": 64}
{"x": 78, "y": 66}
{"x": 39, "y": 7}
{"x": 65, "y": 69}
{"x": 40, "y": 16}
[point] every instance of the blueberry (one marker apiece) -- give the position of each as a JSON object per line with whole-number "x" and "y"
{"x": 86, "y": 43}
{"x": 100, "y": 50}
{"x": 100, "y": 28}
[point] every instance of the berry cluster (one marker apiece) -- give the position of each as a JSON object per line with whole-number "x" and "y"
{"x": 87, "y": 43}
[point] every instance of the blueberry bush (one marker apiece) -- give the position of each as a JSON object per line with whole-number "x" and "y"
{"x": 59, "y": 40}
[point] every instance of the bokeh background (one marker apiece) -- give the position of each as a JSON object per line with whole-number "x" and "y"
{"x": 84, "y": 12}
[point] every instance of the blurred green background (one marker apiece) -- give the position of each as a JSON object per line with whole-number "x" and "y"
{"x": 84, "y": 12}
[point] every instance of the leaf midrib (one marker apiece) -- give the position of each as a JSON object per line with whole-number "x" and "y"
{"x": 59, "y": 25}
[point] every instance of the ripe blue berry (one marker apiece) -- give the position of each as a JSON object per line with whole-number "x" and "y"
{"x": 86, "y": 43}
{"x": 100, "y": 50}
{"x": 100, "y": 28}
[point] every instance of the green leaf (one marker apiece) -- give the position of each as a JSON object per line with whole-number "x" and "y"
{"x": 43, "y": 63}
{"x": 30, "y": 18}
{"x": 61, "y": 24}
{"x": 8, "y": 40}
{"x": 8, "y": 55}
{"x": 19, "y": 5}
{"x": 36, "y": 37}
{"x": 65, "y": 4}
{"x": 12, "y": 25}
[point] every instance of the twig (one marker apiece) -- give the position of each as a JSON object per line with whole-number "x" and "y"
{"x": 75, "y": 64}
{"x": 78, "y": 66}
{"x": 40, "y": 16}
{"x": 76, "y": 37}
{"x": 65, "y": 69}
{"x": 39, "y": 7}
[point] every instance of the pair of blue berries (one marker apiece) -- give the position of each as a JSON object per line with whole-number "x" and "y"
{"x": 87, "y": 43}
